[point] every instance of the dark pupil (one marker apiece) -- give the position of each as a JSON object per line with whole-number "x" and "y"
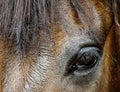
{"x": 86, "y": 60}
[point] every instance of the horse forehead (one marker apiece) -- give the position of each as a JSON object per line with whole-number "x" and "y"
{"x": 78, "y": 26}
{"x": 87, "y": 15}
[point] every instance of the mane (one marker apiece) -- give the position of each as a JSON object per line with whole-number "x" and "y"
{"x": 23, "y": 21}
{"x": 115, "y": 72}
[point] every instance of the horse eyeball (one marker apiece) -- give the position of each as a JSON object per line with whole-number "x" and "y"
{"x": 85, "y": 61}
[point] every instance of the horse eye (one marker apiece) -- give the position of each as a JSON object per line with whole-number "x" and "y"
{"x": 85, "y": 61}
{"x": 87, "y": 58}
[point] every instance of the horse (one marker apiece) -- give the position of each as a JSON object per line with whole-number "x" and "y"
{"x": 59, "y": 45}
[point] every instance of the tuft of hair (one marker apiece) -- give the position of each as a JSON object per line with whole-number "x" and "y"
{"x": 23, "y": 21}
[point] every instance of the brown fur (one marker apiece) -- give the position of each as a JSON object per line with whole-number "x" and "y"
{"x": 38, "y": 37}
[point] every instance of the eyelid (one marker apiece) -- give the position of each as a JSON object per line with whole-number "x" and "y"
{"x": 90, "y": 44}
